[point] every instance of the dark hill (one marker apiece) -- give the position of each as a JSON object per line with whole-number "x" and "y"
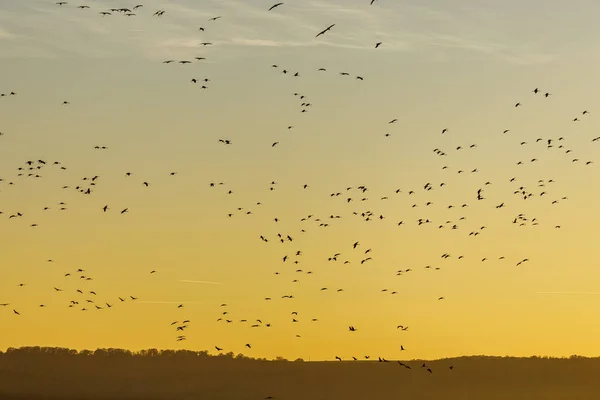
{"x": 53, "y": 374}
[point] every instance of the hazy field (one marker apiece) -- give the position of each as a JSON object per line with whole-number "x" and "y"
{"x": 40, "y": 374}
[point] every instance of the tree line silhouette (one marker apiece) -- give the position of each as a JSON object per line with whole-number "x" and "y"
{"x": 37, "y": 351}
{"x": 34, "y": 351}
{"x": 53, "y": 373}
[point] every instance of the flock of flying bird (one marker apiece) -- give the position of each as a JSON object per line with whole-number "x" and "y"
{"x": 85, "y": 298}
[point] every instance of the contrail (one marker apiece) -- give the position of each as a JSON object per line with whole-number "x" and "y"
{"x": 207, "y": 282}
{"x": 580, "y": 293}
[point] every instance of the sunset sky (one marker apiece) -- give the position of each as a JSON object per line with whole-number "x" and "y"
{"x": 457, "y": 65}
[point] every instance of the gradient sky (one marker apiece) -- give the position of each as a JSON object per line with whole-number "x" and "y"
{"x": 460, "y": 65}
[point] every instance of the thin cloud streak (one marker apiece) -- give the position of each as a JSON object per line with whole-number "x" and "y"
{"x": 4, "y": 34}
{"x": 43, "y": 30}
{"x": 267, "y": 43}
{"x": 274, "y": 43}
{"x": 572, "y": 293}
{"x": 513, "y": 54}
{"x": 169, "y": 302}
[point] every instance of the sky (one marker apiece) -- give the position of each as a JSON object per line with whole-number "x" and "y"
{"x": 460, "y": 66}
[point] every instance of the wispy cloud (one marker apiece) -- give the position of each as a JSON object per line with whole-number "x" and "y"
{"x": 179, "y": 43}
{"x": 40, "y": 28}
{"x": 4, "y": 34}
{"x": 169, "y": 302}
{"x": 266, "y": 42}
{"x": 515, "y": 54}
{"x": 572, "y": 293}
{"x": 205, "y": 282}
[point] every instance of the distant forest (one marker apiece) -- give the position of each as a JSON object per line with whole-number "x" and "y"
{"x": 33, "y": 351}
{"x": 47, "y": 373}
{"x": 36, "y": 351}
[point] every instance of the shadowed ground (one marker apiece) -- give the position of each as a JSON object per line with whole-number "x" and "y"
{"x": 52, "y": 374}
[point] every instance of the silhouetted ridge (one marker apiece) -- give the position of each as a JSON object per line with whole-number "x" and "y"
{"x": 50, "y": 373}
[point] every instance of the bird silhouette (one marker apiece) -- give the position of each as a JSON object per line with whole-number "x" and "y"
{"x": 325, "y": 30}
